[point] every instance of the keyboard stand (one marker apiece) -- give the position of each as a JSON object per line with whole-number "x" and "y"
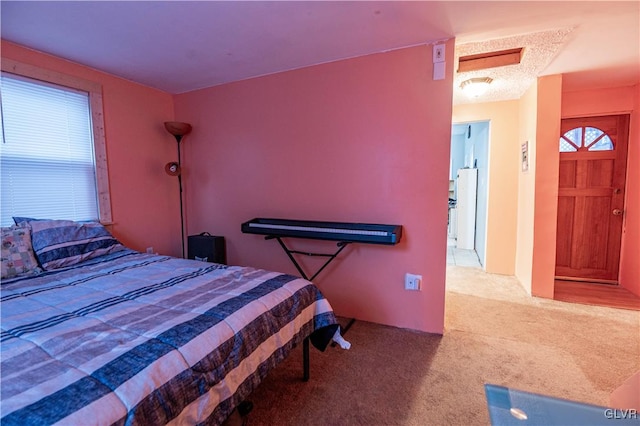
{"x": 290, "y": 253}
{"x": 341, "y": 245}
{"x": 342, "y": 232}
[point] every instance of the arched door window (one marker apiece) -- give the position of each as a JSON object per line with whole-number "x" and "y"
{"x": 585, "y": 139}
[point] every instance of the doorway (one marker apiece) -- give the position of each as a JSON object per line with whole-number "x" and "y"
{"x": 468, "y": 191}
{"x": 591, "y": 193}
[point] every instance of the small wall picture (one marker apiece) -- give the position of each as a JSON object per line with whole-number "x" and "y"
{"x": 525, "y": 156}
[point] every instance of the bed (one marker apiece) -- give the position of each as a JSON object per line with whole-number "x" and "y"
{"x": 96, "y": 333}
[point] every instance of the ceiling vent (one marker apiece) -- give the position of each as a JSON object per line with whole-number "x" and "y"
{"x": 490, "y": 60}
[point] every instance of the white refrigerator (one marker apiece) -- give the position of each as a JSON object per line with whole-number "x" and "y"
{"x": 466, "y": 195}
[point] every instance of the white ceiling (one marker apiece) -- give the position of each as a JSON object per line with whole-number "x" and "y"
{"x": 180, "y": 46}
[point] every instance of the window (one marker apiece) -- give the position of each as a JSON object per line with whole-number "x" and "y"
{"x": 52, "y": 150}
{"x": 585, "y": 139}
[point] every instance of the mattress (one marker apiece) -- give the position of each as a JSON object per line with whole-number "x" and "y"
{"x": 142, "y": 339}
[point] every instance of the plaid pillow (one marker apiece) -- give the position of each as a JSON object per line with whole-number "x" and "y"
{"x": 62, "y": 243}
{"x": 17, "y": 253}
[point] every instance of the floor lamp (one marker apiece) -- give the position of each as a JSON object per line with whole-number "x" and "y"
{"x": 178, "y": 130}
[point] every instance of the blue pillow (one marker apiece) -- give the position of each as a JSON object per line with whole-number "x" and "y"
{"x": 62, "y": 243}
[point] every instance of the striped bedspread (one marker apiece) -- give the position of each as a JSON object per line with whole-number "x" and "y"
{"x": 140, "y": 339}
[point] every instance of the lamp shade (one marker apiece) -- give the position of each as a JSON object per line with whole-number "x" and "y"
{"x": 177, "y": 128}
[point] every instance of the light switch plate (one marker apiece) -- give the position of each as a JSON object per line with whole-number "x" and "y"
{"x": 438, "y": 53}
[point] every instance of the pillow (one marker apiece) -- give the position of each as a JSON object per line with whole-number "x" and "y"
{"x": 62, "y": 243}
{"x": 17, "y": 253}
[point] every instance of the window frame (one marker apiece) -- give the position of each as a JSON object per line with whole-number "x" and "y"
{"x": 583, "y": 147}
{"x": 97, "y": 122}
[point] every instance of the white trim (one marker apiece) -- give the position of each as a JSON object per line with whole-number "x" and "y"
{"x": 97, "y": 118}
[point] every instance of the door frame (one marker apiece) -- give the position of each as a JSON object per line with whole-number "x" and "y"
{"x": 457, "y": 127}
{"x": 626, "y": 134}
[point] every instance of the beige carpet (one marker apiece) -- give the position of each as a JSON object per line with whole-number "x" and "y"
{"x": 494, "y": 333}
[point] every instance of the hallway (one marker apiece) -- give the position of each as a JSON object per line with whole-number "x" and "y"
{"x": 461, "y": 257}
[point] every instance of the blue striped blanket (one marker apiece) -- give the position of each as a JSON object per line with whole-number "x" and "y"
{"x": 140, "y": 339}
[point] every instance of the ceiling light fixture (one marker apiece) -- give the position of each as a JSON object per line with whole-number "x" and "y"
{"x": 475, "y": 87}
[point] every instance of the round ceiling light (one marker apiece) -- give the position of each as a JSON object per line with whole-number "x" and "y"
{"x": 475, "y": 87}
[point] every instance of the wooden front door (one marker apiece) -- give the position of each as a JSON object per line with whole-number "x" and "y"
{"x": 593, "y": 160}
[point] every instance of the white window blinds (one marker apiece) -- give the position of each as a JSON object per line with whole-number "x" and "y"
{"x": 46, "y": 155}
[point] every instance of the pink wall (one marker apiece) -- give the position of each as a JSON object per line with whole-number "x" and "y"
{"x": 527, "y": 123}
{"x": 359, "y": 140}
{"x": 619, "y": 100}
{"x": 144, "y": 200}
{"x": 547, "y": 158}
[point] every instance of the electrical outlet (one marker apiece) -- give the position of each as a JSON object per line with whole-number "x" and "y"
{"x": 150, "y": 250}
{"x": 412, "y": 281}
{"x": 438, "y": 53}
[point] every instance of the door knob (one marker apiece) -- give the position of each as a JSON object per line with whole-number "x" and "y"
{"x": 617, "y": 212}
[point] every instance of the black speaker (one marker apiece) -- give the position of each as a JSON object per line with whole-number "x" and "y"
{"x": 207, "y": 247}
